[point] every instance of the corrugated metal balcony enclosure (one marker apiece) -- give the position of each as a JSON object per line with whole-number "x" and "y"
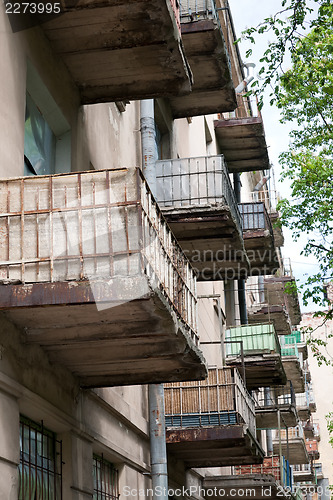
{"x": 91, "y": 272}
{"x": 258, "y": 238}
{"x": 273, "y": 476}
{"x": 198, "y": 202}
{"x": 256, "y": 349}
{"x": 241, "y": 136}
{"x": 116, "y": 50}
{"x": 292, "y": 362}
{"x": 262, "y": 306}
{"x": 206, "y": 51}
{"x": 271, "y": 400}
{"x": 293, "y": 446}
{"x": 212, "y": 422}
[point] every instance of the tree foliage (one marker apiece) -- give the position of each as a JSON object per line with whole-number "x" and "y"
{"x": 303, "y": 31}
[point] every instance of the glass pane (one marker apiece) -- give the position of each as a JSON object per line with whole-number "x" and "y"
{"x": 39, "y": 142}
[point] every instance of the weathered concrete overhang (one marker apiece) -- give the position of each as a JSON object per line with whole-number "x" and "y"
{"x": 213, "y": 89}
{"x": 214, "y": 446}
{"x": 277, "y": 314}
{"x": 303, "y": 475}
{"x": 257, "y": 486}
{"x": 243, "y": 143}
{"x": 198, "y": 202}
{"x": 294, "y": 372}
{"x": 261, "y": 369}
{"x": 120, "y": 49}
{"x": 281, "y": 290}
{"x": 259, "y": 239}
{"x": 267, "y": 417}
{"x": 90, "y": 271}
{"x": 294, "y": 450}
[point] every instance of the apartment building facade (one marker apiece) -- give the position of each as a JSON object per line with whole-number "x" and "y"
{"x": 127, "y": 237}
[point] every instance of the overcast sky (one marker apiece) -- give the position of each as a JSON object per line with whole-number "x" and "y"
{"x": 245, "y": 14}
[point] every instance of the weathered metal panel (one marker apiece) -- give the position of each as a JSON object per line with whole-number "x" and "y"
{"x": 90, "y": 226}
{"x": 255, "y": 338}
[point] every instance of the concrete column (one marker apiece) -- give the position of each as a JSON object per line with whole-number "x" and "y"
{"x": 230, "y": 306}
{"x": 9, "y": 446}
{"x": 78, "y": 466}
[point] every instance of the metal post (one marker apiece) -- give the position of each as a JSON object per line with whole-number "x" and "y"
{"x": 280, "y": 444}
{"x": 269, "y": 438}
{"x": 148, "y": 145}
{"x": 158, "y": 454}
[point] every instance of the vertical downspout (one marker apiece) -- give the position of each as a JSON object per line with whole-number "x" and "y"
{"x": 148, "y": 147}
{"x": 241, "y": 282}
{"x": 158, "y": 454}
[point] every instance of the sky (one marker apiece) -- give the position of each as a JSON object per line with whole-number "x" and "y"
{"x": 245, "y": 14}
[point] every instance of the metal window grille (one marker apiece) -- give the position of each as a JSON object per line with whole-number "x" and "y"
{"x": 105, "y": 479}
{"x": 40, "y": 469}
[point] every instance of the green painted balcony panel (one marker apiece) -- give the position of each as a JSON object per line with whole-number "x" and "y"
{"x": 256, "y": 338}
{"x": 261, "y": 356}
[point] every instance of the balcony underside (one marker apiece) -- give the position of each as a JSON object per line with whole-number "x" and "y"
{"x": 300, "y": 476}
{"x": 277, "y": 230}
{"x": 294, "y": 372}
{"x": 212, "y": 89}
{"x": 257, "y": 486}
{"x": 297, "y": 450}
{"x": 260, "y": 248}
{"x": 214, "y": 446}
{"x": 243, "y": 144}
{"x": 120, "y": 50}
{"x": 304, "y": 412}
{"x": 277, "y": 290}
{"x": 267, "y": 417}
{"x": 314, "y": 455}
{"x": 261, "y": 369}
{"x": 210, "y": 238}
{"x": 274, "y": 313}
{"x": 101, "y": 334}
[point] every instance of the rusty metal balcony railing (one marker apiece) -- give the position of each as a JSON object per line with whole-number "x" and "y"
{"x": 195, "y": 10}
{"x": 92, "y": 225}
{"x": 191, "y": 182}
{"x": 279, "y": 395}
{"x": 255, "y": 216}
{"x": 247, "y": 107}
{"x": 305, "y": 399}
{"x": 271, "y": 466}
{"x": 222, "y": 399}
{"x": 293, "y": 433}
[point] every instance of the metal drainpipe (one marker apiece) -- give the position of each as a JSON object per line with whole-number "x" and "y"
{"x": 158, "y": 454}
{"x": 148, "y": 146}
{"x": 269, "y": 434}
{"x": 241, "y": 282}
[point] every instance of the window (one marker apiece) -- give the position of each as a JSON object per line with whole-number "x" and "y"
{"x": 105, "y": 479}
{"x": 40, "y": 469}
{"x": 47, "y": 133}
{"x": 39, "y": 142}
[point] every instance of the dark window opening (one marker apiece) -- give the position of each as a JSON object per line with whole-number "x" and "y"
{"x": 40, "y": 469}
{"x": 105, "y": 479}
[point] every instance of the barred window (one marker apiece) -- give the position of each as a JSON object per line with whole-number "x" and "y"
{"x": 40, "y": 469}
{"x": 105, "y": 479}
